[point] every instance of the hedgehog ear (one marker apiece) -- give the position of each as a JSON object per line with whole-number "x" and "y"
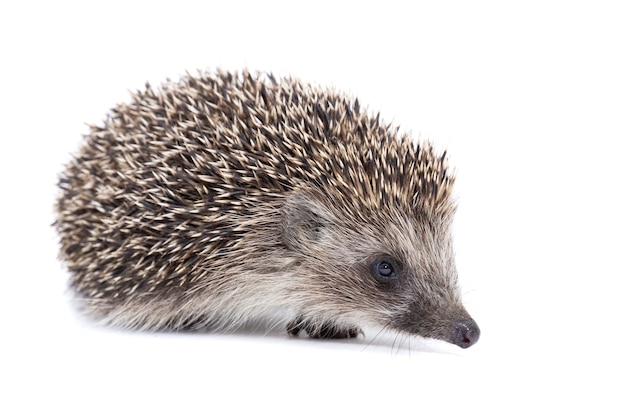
{"x": 302, "y": 222}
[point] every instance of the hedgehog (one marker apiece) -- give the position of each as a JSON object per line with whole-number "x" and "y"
{"x": 229, "y": 198}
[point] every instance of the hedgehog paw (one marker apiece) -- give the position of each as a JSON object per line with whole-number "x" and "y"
{"x": 322, "y": 330}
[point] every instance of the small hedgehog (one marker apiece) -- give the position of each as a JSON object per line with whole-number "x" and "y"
{"x": 230, "y": 198}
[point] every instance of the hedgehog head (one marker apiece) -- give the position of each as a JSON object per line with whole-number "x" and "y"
{"x": 376, "y": 240}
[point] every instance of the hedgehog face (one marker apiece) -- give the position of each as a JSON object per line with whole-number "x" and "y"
{"x": 390, "y": 267}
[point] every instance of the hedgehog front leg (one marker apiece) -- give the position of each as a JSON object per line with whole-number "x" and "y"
{"x": 321, "y": 329}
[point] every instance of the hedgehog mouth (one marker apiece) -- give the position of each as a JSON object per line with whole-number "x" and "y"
{"x": 463, "y": 333}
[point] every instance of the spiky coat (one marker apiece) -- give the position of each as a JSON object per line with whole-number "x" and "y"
{"x": 227, "y": 197}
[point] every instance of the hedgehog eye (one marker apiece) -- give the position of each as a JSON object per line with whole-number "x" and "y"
{"x": 385, "y": 271}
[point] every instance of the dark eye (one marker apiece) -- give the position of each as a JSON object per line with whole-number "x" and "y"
{"x": 385, "y": 270}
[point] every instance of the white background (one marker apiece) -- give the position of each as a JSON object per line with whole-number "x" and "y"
{"x": 530, "y": 101}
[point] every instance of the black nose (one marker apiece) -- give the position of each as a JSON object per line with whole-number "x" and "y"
{"x": 465, "y": 333}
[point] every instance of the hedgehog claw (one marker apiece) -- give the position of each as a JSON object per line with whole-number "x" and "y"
{"x": 325, "y": 330}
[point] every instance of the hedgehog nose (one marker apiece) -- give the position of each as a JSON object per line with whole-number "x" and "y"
{"x": 465, "y": 333}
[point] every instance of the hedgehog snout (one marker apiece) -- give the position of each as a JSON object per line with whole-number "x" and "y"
{"x": 465, "y": 333}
